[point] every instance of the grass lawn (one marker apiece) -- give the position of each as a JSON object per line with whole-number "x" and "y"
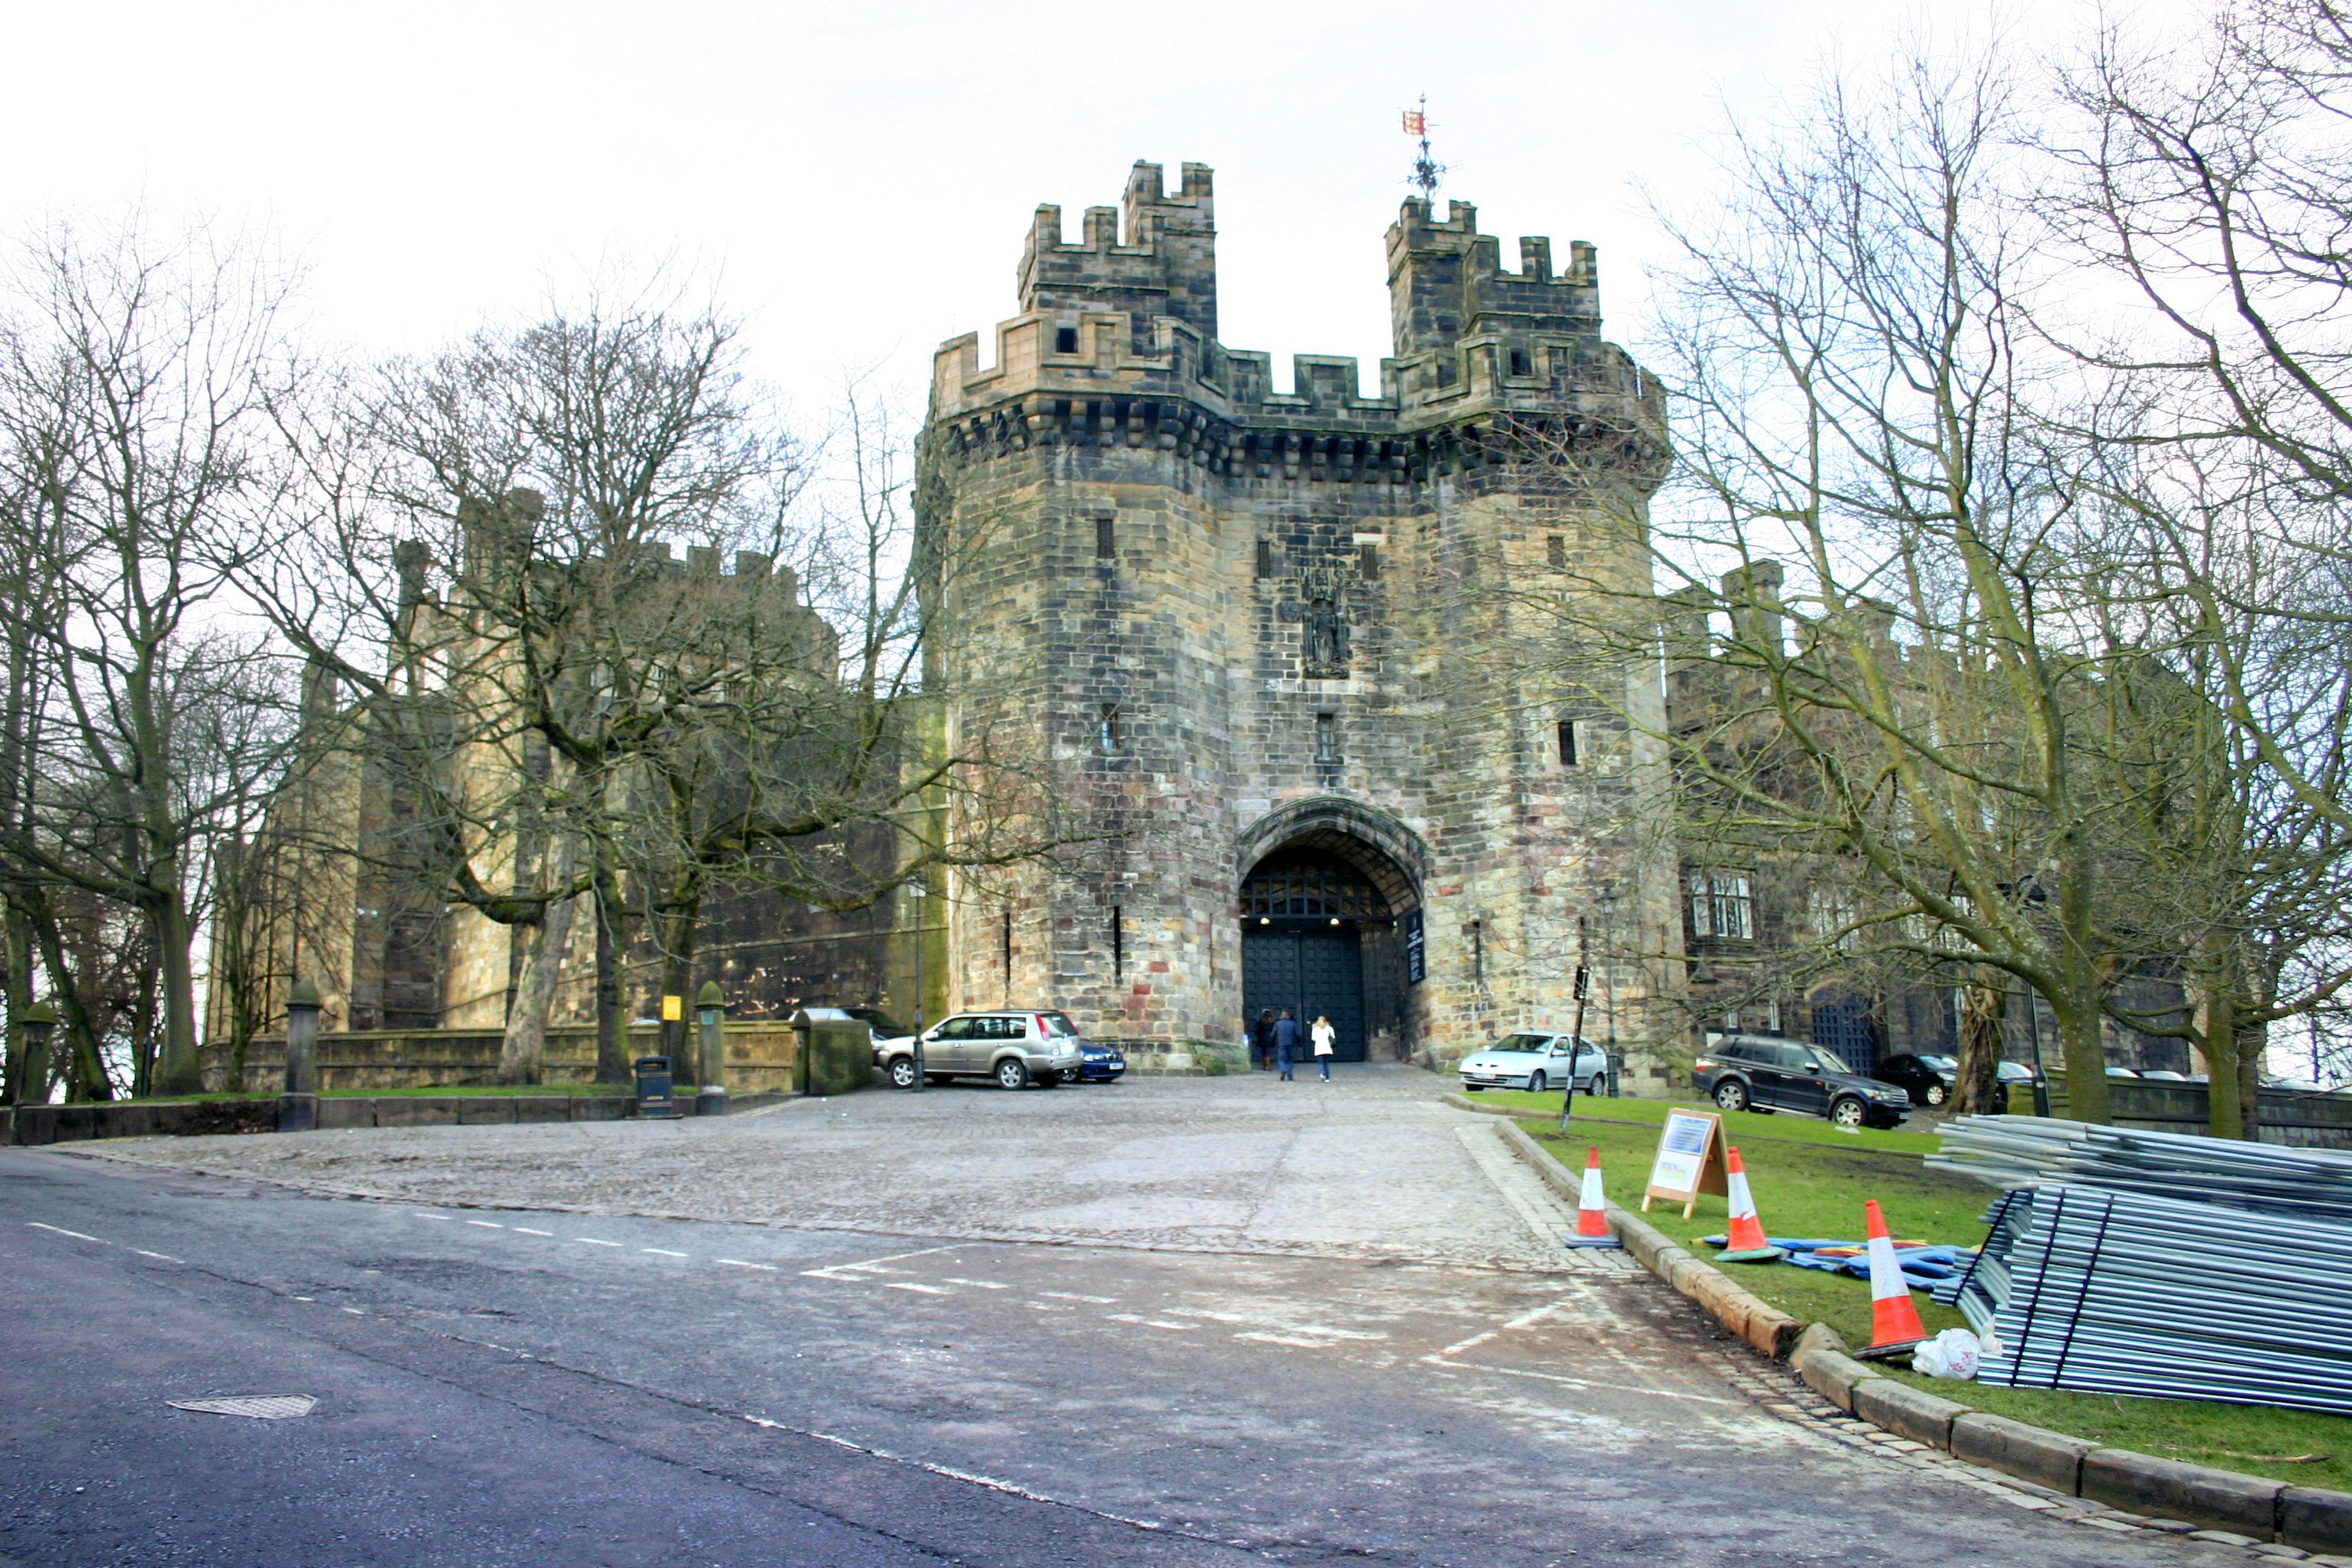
{"x": 1815, "y": 1187}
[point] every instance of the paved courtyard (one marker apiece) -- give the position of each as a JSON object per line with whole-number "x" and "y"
{"x": 1370, "y": 1164}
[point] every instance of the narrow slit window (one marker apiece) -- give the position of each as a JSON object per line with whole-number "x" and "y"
{"x": 1266, "y": 558}
{"x": 1556, "y": 551}
{"x": 1326, "y": 737}
{"x": 1521, "y": 364}
{"x": 1567, "y": 742}
{"x": 1108, "y": 729}
{"x": 1118, "y": 944}
{"x": 1367, "y": 562}
{"x": 1106, "y": 541}
{"x": 1065, "y": 340}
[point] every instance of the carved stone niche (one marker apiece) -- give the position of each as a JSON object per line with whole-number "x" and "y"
{"x": 1320, "y": 608}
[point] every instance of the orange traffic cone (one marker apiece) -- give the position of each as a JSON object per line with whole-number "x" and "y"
{"x": 1591, "y": 1209}
{"x": 1744, "y": 1241}
{"x": 1895, "y": 1325}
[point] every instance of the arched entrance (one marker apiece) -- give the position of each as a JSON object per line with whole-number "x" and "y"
{"x": 1324, "y": 904}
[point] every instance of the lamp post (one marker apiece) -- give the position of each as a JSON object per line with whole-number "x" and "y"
{"x": 918, "y": 892}
{"x": 36, "y": 1021}
{"x": 1609, "y": 977}
{"x": 711, "y": 1011}
{"x": 2031, "y": 892}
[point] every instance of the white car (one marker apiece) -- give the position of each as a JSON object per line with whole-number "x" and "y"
{"x": 1536, "y": 1061}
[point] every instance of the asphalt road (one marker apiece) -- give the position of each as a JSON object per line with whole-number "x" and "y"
{"x": 518, "y": 1386}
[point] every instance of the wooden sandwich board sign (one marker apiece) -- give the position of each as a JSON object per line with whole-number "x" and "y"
{"x": 1689, "y": 1160}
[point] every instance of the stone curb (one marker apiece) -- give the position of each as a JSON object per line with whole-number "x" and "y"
{"x": 2311, "y": 1518}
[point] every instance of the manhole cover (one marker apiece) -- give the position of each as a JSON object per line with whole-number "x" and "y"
{"x": 259, "y": 1406}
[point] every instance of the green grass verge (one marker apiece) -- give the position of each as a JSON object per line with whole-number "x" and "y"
{"x": 1816, "y": 1188}
{"x": 1744, "y": 1127}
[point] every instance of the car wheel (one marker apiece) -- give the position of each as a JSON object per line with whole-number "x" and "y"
{"x": 902, "y": 1072}
{"x": 1937, "y": 1094}
{"x": 1013, "y": 1073}
{"x": 1598, "y": 1087}
{"x": 1846, "y": 1111}
{"x": 1537, "y": 1082}
{"x": 1731, "y": 1095}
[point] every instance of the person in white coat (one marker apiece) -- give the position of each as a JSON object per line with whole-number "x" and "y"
{"x": 1327, "y": 1040}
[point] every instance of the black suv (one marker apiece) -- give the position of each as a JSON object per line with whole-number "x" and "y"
{"x": 1743, "y": 1072}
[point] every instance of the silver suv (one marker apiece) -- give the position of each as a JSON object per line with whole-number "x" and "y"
{"x": 1015, "y": 1048}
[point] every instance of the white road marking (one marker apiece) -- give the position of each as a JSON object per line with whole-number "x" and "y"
{"x": 976, "y": 1284}
{"x": 1073, "y": 1296}
{"x": 1153, "y": 1323}
{"x": 526, "y": 1230}
{"x": 661, "y": 1252}
{"x": 1285, "y": 1339}
{"x": 355, "y": 1312}
{"x": 61, "y": 1230}
{"x": 910, "y": 1284}
{"x": 1537, "y": 1314}
{"x": 739, "y": 1263}
{"x": 486, "y": 1224}
{"x": 989, "y": 1481}
{"x": 853, "y": 1271}
{"x": 157, "y": 1256}
{"x": 592, "y": 1241}
{"x": 1460, "y": 1345}
{"x": 420, "y": 1214}
{"x": 1581, "y": 1382}
{"x": 1263, "y": 1321}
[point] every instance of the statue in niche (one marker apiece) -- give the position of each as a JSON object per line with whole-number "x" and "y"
{"x": 1323, "y": 615}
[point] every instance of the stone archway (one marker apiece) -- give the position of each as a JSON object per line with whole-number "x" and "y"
{"x": 1328, "y": 891}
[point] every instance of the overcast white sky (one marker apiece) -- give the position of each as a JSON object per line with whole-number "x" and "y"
{"x": 866, "y": 173}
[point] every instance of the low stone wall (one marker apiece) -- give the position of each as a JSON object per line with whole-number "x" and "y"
{"x": 34, "y": 1125}
{"x": 2296, "y": 1118}
{"x": 760, "y": 1058}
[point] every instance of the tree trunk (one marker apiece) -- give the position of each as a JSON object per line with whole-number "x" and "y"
{"x": 612, "y": 1034}
{"x": 17, "y": 979}
{"x": 2249, "y": 1088}
{"x": 2084, "y": 1052}
{"x": 1977, "y": 1090}
{"x": 522, "y": 1054}
{"x": 79, "y": 1038}
{"x": 2224, "y": 1108}
{"x": 181, "y": 1069}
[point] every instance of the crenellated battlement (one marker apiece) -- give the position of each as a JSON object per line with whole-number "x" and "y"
{"x": 1166, "y": 266}
{"x": 1124, "y": 321}
{"x": 1447, "y": 283}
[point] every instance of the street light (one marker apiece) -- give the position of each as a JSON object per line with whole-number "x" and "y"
{"x": 916, "y": 891}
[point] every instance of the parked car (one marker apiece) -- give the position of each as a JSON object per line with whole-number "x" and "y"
{"x": 1099, "y": 1064}
{"x": 1538, "y": 1060}
{"x": 2164, "y": 1074}
{"x": 1928, "y": 1081}
{"x": 1015, "y": 1048}
{"x": 1741, "y": 1072}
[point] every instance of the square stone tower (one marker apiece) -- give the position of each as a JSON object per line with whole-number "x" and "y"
{"x": 1299, "y": 653}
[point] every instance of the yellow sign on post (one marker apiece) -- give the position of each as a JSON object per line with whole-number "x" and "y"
{"x": 1689, "y": 1160}
{"x": 673, "y": 1009}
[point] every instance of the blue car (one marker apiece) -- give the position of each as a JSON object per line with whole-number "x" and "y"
{"x": 1100, "y": 1064}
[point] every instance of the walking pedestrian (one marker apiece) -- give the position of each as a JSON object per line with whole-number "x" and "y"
{"x": 1286, "y": 1044}
{"x": 1327, "y": 1040}
{"x": 1262, "y": 1040}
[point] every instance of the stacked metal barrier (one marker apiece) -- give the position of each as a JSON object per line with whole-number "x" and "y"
{"x": 2101, "y": 1274}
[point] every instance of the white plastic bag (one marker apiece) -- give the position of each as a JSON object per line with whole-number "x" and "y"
{"x": 1952, "y": 1353}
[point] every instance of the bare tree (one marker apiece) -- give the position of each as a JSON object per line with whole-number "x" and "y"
{"x": 130, "y": 375}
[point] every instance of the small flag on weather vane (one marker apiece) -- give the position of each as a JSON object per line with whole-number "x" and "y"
{"x": 1415, "y": 123}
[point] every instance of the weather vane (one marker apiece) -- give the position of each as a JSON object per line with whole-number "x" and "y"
{"x": 1426, "y": 171}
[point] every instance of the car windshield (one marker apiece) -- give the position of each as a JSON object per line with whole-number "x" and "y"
{"x": 1522, "y": 1042}
{"x": 1823, "y": 1061}
{"x": 1057, "y": 1025}
{"x": 876, "y": 1019}
{"x": 1942, "y": 1064}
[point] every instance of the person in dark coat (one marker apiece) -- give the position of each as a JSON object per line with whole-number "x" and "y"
{"x": 1286, "y": 1038}
{"x": 1261, "y": 1040}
